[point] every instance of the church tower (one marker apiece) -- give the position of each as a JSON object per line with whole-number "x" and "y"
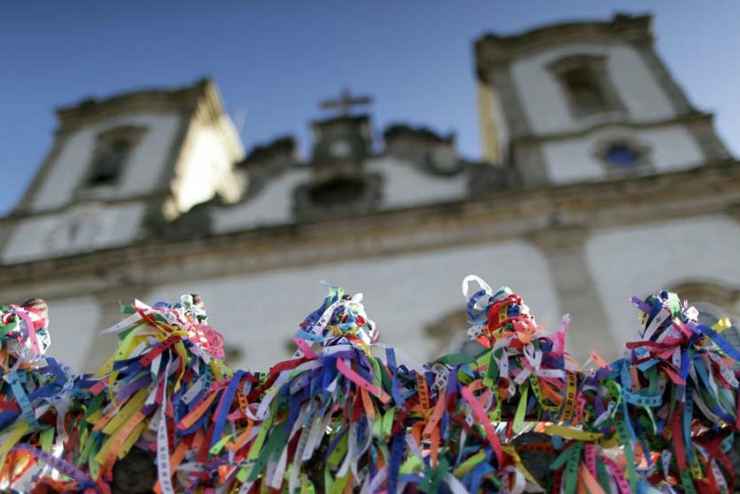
{"x": 339, "y": 184}
{"x": 122, "y": 166}
{"x": 587, "y": 101}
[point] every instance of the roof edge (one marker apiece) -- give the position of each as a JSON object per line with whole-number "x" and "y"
{"x": 492, "y": 48}
{"x": 149, "y": 99}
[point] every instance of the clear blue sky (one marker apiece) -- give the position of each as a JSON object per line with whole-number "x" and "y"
{"x": 274, "y": 60}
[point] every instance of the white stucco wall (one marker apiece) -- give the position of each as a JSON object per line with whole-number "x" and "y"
{"x": 272, "y": 206}
{"x": 573, "y": 160}
{"x": 407, "y": 185}
{"x": 404, "y": 185}
{"x": 97, "y": 227}
{"x": 547, "y": 107}
{"x": 143, "y": 169}
{"x": 643, "y": 259}
{"x": 73, "y": 325}
{"x": 402, "y": 294}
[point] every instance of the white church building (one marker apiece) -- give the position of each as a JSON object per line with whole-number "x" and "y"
{"x": 599, "y": 180}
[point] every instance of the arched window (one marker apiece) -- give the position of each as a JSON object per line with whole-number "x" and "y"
{"x": 584, "y": 89}
{"x": 586, "y": 84}
{"x": 109, "y": 162}
{"x": 113, "y": 149}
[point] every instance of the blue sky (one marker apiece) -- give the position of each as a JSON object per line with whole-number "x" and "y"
{"x": 274, "y": 60}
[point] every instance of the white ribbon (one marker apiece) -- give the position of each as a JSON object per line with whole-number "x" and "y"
{"x": 657, "y": 321}
{"x": 477, "y": 279}
{"x": 164, "y": 471}
{"x": 320, "y": 325}
{"x": 503, "y": 364}
{"x": 123, "y": 325}
{"x": 376, "y": 482}
{"x": 455, "y": 485}
{"x": 271, "y": 393}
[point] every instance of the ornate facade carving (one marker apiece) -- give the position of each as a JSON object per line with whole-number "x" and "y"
{"x": 202, "y": 94}
{"x": 341, "y": 146}
{"x": 278, "y": 152}
{"x": 588, "y": 81}
{"x": 266, "y": 162}
{"x": 492, "y": 50}
{"x": 425, "y": 148}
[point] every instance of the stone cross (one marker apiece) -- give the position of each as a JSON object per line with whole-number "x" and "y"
{"x": 344, "y": 103}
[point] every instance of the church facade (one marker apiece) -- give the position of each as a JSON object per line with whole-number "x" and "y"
{"x": 599, "y": 180}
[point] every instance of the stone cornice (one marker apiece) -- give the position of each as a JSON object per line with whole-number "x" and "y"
{"x": 492, "y": 50}
{"x": 686, "y": 119}
{"x": 201, "y": 95}
{"x": 405, "y": 131}
{"x": 283, "y": 148}
{"x": 505, "y": 216}
{"x": 19, "y": 215}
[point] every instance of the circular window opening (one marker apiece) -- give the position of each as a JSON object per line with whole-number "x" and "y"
{"x": 621, "y": 155}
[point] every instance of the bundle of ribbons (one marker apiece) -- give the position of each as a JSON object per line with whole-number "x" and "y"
{"x": 345, "y": 414}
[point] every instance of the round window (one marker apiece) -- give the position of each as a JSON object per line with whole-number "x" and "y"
{"x": 621, "y": 155}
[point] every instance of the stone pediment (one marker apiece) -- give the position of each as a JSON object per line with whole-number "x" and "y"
{"x": 492, "y": 49}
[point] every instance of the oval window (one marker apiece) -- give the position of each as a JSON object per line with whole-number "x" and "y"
{"x": 621, "y": 155}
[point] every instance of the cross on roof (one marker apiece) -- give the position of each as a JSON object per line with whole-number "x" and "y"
{"x": 344, "y": 103}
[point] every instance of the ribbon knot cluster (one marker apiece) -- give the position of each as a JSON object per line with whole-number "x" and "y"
{"x": 345, "y": 414}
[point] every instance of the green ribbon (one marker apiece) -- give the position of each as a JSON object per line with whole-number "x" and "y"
{"x": 627, "y": 443}
{"x": 521, "y": 410}
{"x": 571, "y": 459}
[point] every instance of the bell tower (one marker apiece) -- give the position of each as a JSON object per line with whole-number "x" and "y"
{"x": 339, "y": 184}
{"x": 121, "y": 164}
{"x": 587, "y": 101}
{"x": 342, "y": 142}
